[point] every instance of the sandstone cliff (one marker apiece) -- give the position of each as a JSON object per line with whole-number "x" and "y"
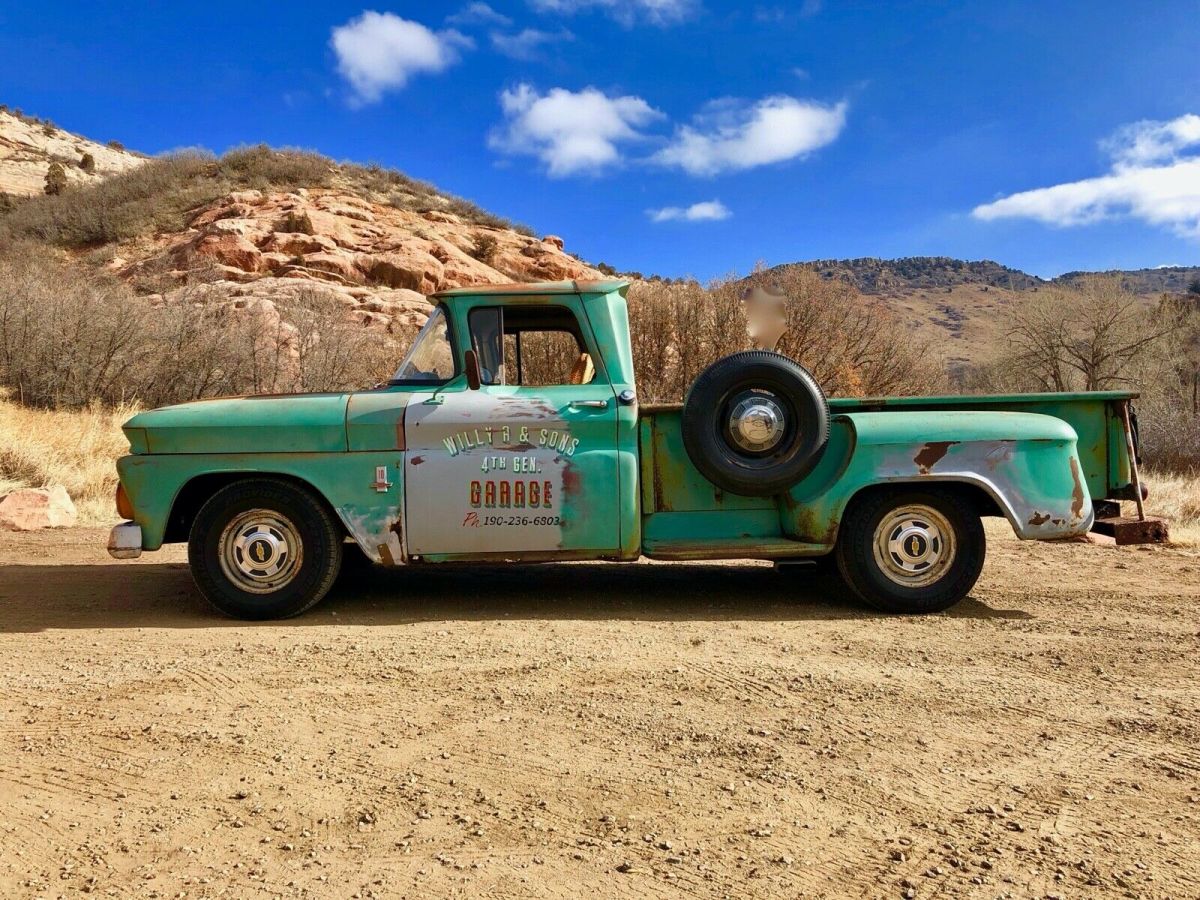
{"x": 28, "y": 147}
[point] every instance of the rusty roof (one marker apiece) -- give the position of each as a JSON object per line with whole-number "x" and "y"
{"x": 579, "y": 286}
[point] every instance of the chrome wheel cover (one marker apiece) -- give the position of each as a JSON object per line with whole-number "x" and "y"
{"x": 914, "y": 546}
{"x": 757, "y": 422}
{"x": 260, "y": 551}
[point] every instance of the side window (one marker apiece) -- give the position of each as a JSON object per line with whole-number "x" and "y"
{"x": 533, "y": 346}
{"x": 487, "y": 330}
{"x": 547, "y": 357}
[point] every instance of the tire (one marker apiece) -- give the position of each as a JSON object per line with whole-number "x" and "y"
{"x": 946, "y": 548}
{"x": 290, "y": 531}
{"x": 786, "y": 446}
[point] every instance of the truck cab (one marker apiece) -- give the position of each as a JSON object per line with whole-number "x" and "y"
{"x": 513, "y": 432}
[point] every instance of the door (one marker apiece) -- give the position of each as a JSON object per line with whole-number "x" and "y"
{"x": 525, "y": 466}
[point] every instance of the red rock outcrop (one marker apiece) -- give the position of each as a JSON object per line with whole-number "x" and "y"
{"x": 378, "y": 260}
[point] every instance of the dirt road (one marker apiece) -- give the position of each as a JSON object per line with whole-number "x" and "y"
{"x": 649, "y": 731}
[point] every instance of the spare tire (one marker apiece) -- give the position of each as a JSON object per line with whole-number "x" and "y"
{"x": 755, "y": 423}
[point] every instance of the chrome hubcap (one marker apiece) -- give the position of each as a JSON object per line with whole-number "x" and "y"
{"x": 756, "y": 423}
{"x": 914, "y": 546}
{"x": 260, "y": 551}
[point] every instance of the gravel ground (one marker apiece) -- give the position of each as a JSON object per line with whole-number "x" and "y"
{"x": 625, "y": 731}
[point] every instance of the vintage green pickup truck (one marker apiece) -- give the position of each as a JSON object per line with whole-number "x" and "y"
{"x": 512, "y": 432}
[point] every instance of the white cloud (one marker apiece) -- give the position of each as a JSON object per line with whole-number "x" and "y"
{"x": 1152, "y": 178}
{"x": 570, "y": 131}
{"x": 478, "y": 14}
{"x": 525, "y": 44}
{"x": 627, "y": 12}
{"x": 732, "y": 136}
{"x": 705, "y": 211}
{"x": 1149, "y": 142}
{"x": 378, "y": 52}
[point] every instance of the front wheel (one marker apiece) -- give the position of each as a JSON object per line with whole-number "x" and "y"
{"x": 264, "y": 549}
{"x": 911, "y": 551}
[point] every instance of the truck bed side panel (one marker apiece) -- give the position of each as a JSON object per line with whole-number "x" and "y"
{"x": 1028, "y": 463}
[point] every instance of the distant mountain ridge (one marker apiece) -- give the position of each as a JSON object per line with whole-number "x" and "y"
{"x": 876, "y": 276}
{"x": 960, "y": 305}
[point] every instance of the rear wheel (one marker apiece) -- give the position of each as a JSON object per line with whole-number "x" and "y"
{"x": 264, "y": 549}
{"x": 910, "y": 551}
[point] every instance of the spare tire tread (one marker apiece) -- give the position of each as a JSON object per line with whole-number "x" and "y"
{"x": 704, "y": 410}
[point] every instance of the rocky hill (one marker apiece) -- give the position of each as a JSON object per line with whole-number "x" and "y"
{"x": 255, "y": 228}
{"x": 883, "y": 276}
{"x": 29, "y": 146}
{"x": 1150, "y": 282}
{"x": 380, "y": 261}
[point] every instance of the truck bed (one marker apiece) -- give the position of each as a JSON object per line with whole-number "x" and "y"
{"x": 686, "y": 516}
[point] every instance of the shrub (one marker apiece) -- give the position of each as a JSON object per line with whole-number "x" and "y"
{"x": 65, "y": 337}
{"x": 48, "y": 128}
{"x": 484, "y": 248}
{"x": 56, "y": 179}
{"x": 115, "y": 145}
{"x": 70, "y": 337}
{"x": 87, "y": 162}
{"x": 296, "y": 223}
{"x": 261, "y": 166}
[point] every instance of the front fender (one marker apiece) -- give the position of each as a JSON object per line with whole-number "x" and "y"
{"x": 1027, "y": 463}
{"x": 372, "y": 514}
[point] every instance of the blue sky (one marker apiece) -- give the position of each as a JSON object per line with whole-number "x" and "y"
{"x": 684, "y": 136}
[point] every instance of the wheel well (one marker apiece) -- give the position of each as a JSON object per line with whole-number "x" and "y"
{"x": 983, "y": 503}
{"x": 198, "y": 490}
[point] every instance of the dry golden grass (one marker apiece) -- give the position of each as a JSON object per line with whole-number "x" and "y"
{"x": 1175, "y": 497}
{"x": 75, "y": 448}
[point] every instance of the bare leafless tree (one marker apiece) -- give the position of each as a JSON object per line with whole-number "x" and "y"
{"x": 1087, "y": 338}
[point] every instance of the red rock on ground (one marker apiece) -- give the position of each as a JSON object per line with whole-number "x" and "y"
{"x": 32, "y": 508}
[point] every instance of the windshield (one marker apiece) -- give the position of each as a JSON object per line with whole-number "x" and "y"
{"x": 430, "y": 357}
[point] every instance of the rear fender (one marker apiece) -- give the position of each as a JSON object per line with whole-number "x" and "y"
{"x": 1026, "y": 463}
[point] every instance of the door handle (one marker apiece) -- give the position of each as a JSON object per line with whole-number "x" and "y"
{"x": 590, "y": 404}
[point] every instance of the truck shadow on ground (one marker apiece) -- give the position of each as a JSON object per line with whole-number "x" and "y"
{"x": 39, "y": 597}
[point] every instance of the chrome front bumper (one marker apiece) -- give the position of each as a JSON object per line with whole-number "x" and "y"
{"x": 125, "y": 541}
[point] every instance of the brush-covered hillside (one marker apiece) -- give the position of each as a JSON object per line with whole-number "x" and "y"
{"x": 961, "y": 304}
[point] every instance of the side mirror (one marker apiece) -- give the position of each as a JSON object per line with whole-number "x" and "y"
{"x": 471, "y": 362}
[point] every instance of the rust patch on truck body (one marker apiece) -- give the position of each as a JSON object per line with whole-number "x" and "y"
{"x": 931, "y": 454}
{"x": 1078, "y": 492}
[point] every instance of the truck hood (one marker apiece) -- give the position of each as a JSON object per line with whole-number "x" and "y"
{"x": 291, "y": 423}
